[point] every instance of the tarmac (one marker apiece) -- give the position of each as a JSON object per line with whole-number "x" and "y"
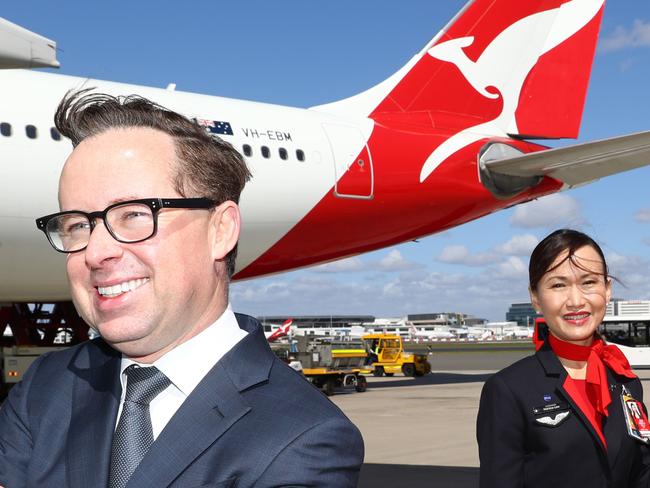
{"x": 421, "y": 432}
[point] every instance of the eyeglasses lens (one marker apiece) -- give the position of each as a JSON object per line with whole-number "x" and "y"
{"x": 126, "y": 223}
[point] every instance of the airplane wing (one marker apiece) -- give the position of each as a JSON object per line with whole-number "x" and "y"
{"x": 20, "y": 48}
{"x": 576, "y": 165}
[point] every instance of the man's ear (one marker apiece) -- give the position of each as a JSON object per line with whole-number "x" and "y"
{"x": 225, "y": 225}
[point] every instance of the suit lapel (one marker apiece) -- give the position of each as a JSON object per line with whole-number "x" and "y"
{"x": 95, "y": 400}
{"x": 214, "y": 406}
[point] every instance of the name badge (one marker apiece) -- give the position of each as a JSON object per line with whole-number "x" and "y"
{"x": 635, "y": 417}
{"x": 552, "y": 414}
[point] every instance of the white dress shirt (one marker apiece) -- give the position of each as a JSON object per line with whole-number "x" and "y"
{"x": 185, "y": 366}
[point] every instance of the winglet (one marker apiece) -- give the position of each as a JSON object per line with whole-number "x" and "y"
{"x": 21, "y": 48}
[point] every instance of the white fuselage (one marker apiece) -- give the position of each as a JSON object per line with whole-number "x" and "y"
{"x": 30, "y": 168}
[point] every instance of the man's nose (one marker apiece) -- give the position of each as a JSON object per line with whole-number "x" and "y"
{"x": 101, "y": 245}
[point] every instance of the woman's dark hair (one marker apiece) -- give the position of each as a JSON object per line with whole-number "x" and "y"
{"x": 555, "y": 244}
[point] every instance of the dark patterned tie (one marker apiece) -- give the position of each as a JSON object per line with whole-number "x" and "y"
{"x": 134, "y": 435}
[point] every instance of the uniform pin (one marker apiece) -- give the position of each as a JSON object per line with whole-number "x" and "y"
{"x": 547, "y": 398}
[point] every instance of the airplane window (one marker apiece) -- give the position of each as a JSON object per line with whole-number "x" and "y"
{"x": 248, "y": 151}
{"x": 266, "y": 152}
{"x": 30, "y": 130}
{"x": 283, "y": 154}
{"x": 5, "y": 129}
{"x": 55, "y": 134}
{"x": 300, "y": 154}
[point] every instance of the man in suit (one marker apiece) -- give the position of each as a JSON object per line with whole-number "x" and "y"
{"x": 178, "y": 390}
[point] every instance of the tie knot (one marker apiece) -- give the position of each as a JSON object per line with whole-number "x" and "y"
{"x": 144, "y": 384}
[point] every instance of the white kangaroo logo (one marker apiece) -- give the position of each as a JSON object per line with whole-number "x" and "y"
{"x": 504, "y": 65}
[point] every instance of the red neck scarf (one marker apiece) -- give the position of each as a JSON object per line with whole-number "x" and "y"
{"x": 598, "y": 356}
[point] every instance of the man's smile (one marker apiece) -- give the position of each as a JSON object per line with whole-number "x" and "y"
{"x": 113, "y": 291}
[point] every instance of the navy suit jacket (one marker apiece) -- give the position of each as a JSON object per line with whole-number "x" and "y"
{"x": 518, "y": 449}
{"x": 252, "y": 421}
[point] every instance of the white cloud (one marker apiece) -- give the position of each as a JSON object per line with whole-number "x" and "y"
{"x": 453, "y": 254}
{"x": 642, "y": 215}
{"x": 513, "y": 267}
{"x": 556, "y": 210}
{"x": 394, "y": 261}
{"x": 623, "y": 37}
{"x": 459, "y": 254}
{"x": 486, "y": 294}
{"x": 347, "y": 265}
{"x": 633, "y": 276}
{"x": 519, "y": 245}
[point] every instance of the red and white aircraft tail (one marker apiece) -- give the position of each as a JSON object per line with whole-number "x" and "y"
{"x": 499, "y": 68}
{"x": 281, "y": 331}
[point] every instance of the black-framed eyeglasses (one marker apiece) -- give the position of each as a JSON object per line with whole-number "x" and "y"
{"x": 128, "y": 222}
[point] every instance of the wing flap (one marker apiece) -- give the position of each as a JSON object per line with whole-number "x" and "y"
{"x": 579, "y": 164}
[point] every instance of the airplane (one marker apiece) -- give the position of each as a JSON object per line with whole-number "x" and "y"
{"x": 428, "y": 335}
{"x": 443, "y": 141}
{"x": 283, "y": 330}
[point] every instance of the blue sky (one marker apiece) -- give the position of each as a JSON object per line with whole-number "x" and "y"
{"x": 307, "y": 53}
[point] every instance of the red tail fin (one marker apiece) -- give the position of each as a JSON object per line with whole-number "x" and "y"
{"x": 281, "y": 331}
{"x": 520, "y": 66}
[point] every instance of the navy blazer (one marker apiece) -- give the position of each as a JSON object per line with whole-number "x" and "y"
{"x": 519, "y": 447}
{"x": 252, "y": 421}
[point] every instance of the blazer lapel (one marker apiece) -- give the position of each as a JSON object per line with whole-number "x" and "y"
{"x": 95, "y": 401}
{"x": 553, "y": 367}
{"x": 614, "y": 425}
{"x": 212, "y": 408}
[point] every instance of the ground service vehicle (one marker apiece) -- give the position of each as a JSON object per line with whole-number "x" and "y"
{"x": 29, "y": 330}
{"x": 331, "y": 364}
{"x": 388, "y": 357}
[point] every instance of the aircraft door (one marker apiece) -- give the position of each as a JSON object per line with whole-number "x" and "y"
{"x": 352, "y": 161}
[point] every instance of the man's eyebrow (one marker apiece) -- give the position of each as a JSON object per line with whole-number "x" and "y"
{"x": 111, "y": 202}
{"x": 124, "y": 199}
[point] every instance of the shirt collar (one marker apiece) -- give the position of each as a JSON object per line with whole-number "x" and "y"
{"x": 188, "y": 363}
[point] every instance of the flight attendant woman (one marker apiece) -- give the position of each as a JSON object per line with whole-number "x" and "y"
{"x": 571, "y": 414}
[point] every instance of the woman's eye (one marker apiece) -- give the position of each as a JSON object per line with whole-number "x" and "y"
{"x": 557, "y": 285}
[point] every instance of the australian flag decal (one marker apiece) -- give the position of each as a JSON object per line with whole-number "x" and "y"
{"x": 216, "y": 126}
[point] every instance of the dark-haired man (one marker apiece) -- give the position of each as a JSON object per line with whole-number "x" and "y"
{"x": 178, "y": 391}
